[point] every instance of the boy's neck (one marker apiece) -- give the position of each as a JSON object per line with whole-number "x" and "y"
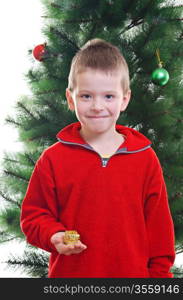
{"x": 100, "y": 138}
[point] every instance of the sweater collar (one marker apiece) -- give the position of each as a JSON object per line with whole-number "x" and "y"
{"x": 134, "y": 140}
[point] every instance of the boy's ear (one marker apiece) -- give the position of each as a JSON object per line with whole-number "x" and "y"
{"x": 126, "y": 100}
{"x": 69, "y": 98}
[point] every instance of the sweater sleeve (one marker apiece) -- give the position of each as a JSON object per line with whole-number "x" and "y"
{"x": 159, "y": 224}
{"x": 39, "y": 213}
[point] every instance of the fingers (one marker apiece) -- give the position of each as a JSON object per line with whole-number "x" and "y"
{"x": 72, "y": 249}
{"x": 58, "y": 240}
{"x": 79, "y": 247}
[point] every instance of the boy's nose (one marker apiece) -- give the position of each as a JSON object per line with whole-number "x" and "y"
{"x": 97, "y": 105}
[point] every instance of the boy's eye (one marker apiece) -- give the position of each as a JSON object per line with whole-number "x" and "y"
{"x": 85, "y": 96}
{"x": 109, "y": 97}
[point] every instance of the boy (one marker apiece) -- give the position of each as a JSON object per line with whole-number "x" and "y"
{"x": 102, "y": 180}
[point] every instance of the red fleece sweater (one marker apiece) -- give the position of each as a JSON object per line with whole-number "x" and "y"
{"x": 119, "y": 207}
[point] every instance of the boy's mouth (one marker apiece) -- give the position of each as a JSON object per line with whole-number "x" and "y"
{"x": 98, "y": 117}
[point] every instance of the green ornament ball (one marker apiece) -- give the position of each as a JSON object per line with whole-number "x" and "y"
{"x": 160, "y": 76}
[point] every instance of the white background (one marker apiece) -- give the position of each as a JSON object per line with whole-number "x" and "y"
{"x": 20, "y": 30}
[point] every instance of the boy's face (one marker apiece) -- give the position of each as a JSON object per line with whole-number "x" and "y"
{"x": 97, "y": 100}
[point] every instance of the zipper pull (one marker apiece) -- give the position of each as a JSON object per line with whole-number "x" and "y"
{"x": 104, "y": 162}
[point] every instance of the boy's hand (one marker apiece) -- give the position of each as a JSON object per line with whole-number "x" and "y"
{"x": 58, "y": 242}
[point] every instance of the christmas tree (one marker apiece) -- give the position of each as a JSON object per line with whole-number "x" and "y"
{"x": 150, "y": 36}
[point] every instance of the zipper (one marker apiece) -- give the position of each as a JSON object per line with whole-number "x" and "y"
{"x": 103, "y": 160}
{"x": 88, "y": 147}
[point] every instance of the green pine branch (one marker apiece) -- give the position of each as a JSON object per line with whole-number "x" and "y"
{"x": 9, "y": 199}
{"x": 30, "y": 159}
{"x": 21, "y": 106}
{"x": 12, "y": 122}
{"x": 177, "y": 271}
{"x": 64, "y": 37}
{"x": 179, "y": 248}
{"x": 33, "y": 263}
{"x": 7, "y": 237}
{"x": 15, "y": 175}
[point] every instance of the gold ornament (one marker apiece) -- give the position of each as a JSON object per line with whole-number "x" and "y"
{"x": 71, "y": 237}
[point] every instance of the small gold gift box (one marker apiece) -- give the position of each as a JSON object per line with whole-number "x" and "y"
{"x": 71, "y": 237}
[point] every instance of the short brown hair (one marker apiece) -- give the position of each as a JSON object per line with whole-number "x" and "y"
{"x": 100, "y": 55}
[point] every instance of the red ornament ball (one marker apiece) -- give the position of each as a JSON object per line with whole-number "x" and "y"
{"x": 39, "y": 52}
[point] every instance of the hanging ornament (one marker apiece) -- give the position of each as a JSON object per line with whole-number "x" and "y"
{"x": 39, "y": 52}
{"x": 160, "y": 76}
